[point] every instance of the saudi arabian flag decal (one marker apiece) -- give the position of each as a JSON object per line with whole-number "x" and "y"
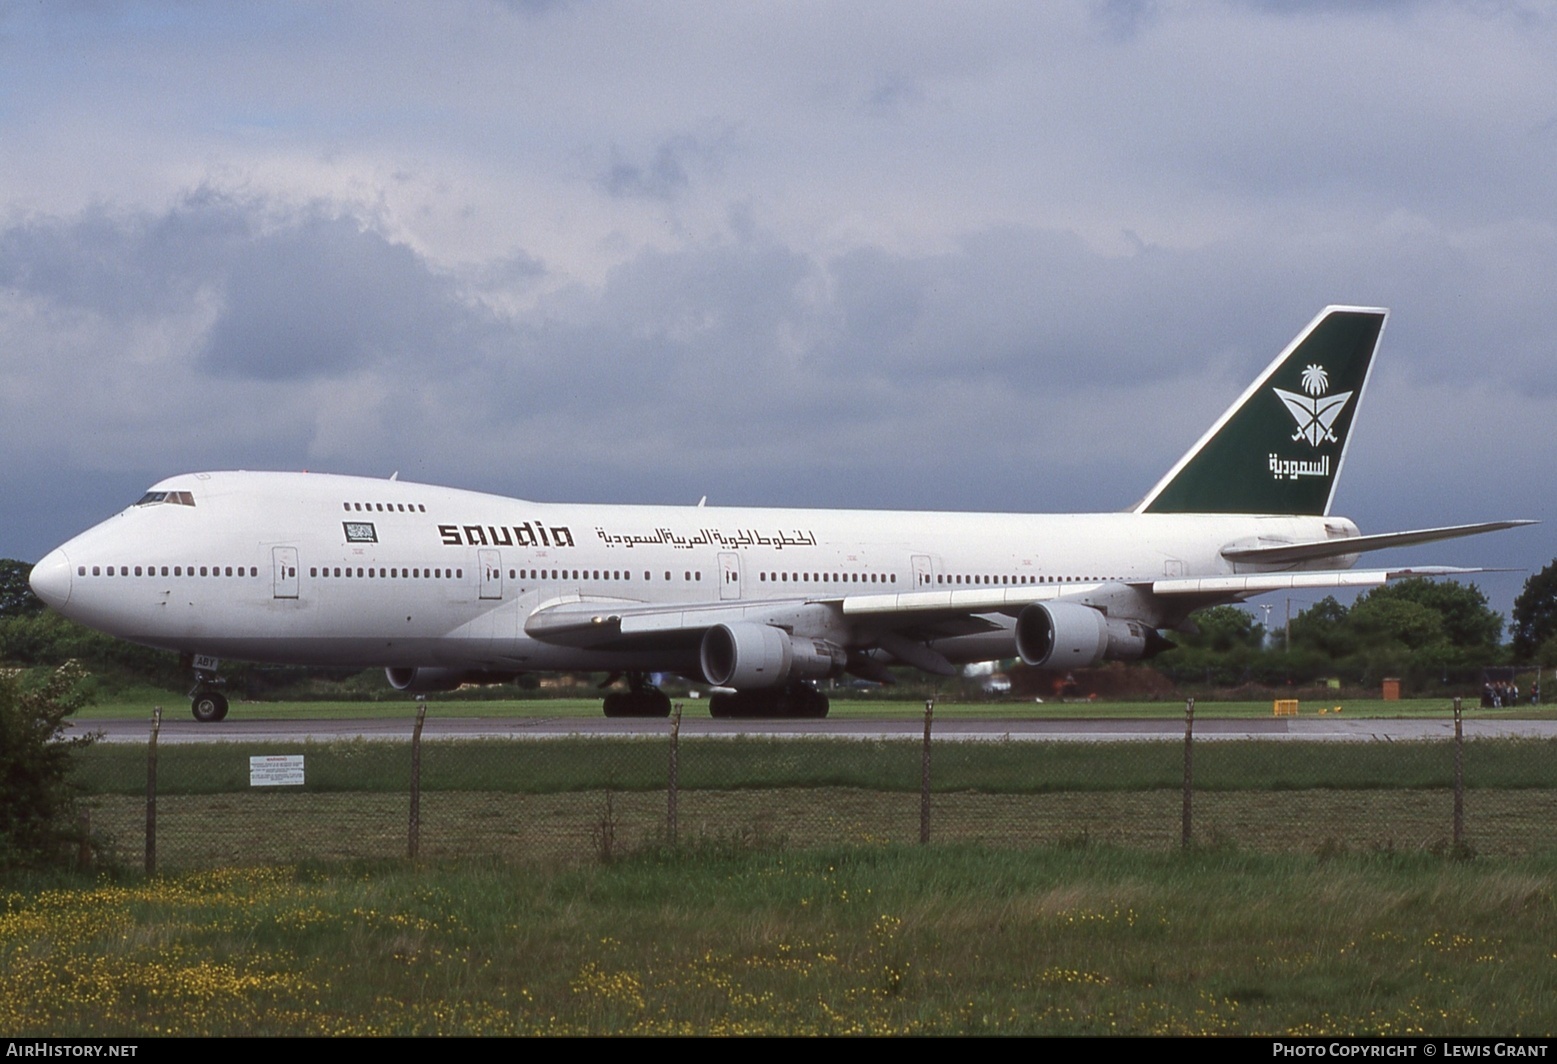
{"x": 1315, "y": 413}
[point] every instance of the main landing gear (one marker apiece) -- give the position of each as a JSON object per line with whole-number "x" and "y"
{"x": 801, "y": 701}
{"x": 641, "y": 699}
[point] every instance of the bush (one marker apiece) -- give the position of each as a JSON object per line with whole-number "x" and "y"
{"x": 37, "y": 804}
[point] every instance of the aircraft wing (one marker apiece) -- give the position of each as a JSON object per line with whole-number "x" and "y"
{"x": 1217, "y": 588}
{"x": 607, "y": 623}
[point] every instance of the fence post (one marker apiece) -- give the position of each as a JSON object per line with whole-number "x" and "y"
{"x": 924, "y": 776}
{"x": 1189, "y": 768}
{"x": 84, "y": 840}
{"x": 414, "y": 839}
{"x": 151, "y": 793}
{"x": 673, "y": 786}
{"x": 1459, "y": 782}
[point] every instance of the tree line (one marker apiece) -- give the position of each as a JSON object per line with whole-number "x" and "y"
{"x": 1426, "y": 633}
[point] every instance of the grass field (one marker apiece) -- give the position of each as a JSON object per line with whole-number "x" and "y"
{"x": 582, "y": 827}
{"x": 737, "y": 937}
{"x": 569, "y": 799}
{"x": 1322, "y": 896}
{"x": 641, "y": 763}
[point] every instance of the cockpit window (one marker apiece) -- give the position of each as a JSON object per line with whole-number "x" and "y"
{"x": 175, "y": 498}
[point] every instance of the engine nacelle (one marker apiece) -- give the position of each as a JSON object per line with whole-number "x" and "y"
{"x": 425, "y": 680}
{"x": 747, "y": 655}
{"x": 1065, "y": 635}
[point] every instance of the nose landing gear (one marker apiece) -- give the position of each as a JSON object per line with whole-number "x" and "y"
{"x": 206, "y": 700}
{"x": 208, "y": 706}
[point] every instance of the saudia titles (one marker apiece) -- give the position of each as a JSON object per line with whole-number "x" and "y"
{"x": 525, "y": 535}
{"x": 1315, "y": 415}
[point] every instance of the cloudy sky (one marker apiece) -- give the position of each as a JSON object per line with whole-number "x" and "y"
{"x": 1002, "y": 256}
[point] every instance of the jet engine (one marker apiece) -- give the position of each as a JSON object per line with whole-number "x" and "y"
{"x": 1065, "y": 635}
{"x": 747, "y": 655}
{"x": 424, "y": 680}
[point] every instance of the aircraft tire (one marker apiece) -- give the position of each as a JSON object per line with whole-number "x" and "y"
{"x": 795, "y": 703}
{"x": 649, "y": 702}
{"x": 741, "y": 705}
{"x": 802, "y": 702}
{"x": 209, "y": 707}
{"x": 655, "y": 703}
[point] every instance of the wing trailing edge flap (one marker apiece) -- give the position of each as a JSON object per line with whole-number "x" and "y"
{"x": 1258, "y": 583}
{"x": 1282, "y": 553}
{"x": 918, "y": 606}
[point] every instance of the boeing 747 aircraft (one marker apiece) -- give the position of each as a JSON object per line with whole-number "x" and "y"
{"x": 441, "y": 587}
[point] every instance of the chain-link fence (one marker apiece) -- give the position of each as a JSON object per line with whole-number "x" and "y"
{"x": 589, "y": 798}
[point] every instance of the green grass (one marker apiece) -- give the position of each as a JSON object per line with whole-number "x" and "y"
{"x": 579, "y": 764}
{"x": 518, "y": 800}
{"x": 569, "y": 829}
{"x": 733, "y": 938}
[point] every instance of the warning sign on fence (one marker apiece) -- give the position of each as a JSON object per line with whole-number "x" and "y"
{"x": 277, "y": 770}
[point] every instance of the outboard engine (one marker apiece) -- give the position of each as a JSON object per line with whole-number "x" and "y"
{"x": 1066, "y": 635}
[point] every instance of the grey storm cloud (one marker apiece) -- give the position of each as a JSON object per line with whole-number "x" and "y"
{"x": 668, "y": 170}
{"x": 327, "y": 295}
{"x": 122, "y": 265}
{"x": 749, "y": 329}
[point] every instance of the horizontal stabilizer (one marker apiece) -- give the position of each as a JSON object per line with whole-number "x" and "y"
{"x": 1281, "y": 553}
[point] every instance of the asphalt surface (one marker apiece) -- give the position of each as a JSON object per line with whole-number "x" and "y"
{"x": 179, "y": 729}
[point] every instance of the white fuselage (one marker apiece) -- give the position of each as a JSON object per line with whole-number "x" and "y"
{"x": 322, "y": 569}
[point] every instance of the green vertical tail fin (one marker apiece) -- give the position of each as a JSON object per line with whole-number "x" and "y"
{"x": 1279, "y": 448}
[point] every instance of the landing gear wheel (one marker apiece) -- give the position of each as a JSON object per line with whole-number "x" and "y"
{"x": 802, "y": 702}
{"x": 644, "y": 702}
{"x": 209, "y": 707}
{"x": 655, "y": 703}
{"x": 810, "y": 704}
{"x": 791, "y": 703}
{"x": 732, "y": 706}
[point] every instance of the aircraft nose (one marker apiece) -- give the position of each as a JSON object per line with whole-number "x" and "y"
{"x": 50, "y": 579}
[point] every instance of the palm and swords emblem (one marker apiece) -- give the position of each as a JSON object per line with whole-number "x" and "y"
{"x": 1314, "y": 413}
